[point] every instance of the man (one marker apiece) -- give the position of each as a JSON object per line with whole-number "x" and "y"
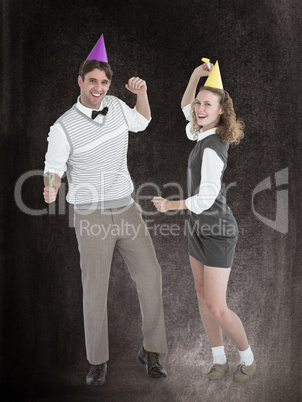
{"x": 90, "y": 143}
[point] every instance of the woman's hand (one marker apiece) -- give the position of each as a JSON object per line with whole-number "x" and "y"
{"x": 160, "y": 204}
{"x": 203, "y": 70}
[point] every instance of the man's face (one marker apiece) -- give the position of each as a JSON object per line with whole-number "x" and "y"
{"x": 93, "y": 88}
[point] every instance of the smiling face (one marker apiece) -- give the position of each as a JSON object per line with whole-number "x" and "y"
{"x": 207, "y": 109}
{"x": 93, "y": 88}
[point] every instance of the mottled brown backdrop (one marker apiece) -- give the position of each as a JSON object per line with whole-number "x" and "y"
{"x": 258, "y": 45}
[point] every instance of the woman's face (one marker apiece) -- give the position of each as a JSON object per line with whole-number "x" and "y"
{"x": 207, "y": 109}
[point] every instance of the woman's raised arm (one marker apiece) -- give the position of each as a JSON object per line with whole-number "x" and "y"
{"x": 189, "y": 94}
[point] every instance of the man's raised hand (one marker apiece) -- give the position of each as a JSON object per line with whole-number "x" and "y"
{"x": 137, "y": 86}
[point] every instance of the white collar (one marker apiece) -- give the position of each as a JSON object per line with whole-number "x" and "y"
{"x": 86, "y": 110}
{"x": 203, "y": 134}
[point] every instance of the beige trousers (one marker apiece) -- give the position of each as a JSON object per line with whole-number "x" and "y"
{"x": 98, "y": 233}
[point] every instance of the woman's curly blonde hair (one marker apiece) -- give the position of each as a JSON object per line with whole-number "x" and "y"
{"x": 229, "y": 129}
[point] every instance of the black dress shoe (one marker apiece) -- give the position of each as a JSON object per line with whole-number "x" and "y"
{"x": 152, "y": 363}
{"x": 96, "y": 375}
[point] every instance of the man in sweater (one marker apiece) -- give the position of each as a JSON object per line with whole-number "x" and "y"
{"x": 89, "y": 142}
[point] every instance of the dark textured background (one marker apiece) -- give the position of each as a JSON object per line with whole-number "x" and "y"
{"x": 258, "y": 45}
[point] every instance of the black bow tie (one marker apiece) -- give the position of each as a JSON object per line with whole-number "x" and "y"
{"x": 97, "y": 112}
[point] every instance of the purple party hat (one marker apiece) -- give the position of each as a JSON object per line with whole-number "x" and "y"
{"x": 99, "y": 51}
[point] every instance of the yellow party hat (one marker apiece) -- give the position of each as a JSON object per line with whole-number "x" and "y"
{"x": 214, "y": 79}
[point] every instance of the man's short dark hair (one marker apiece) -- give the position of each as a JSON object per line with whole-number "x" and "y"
{"x": 90, "y": 65}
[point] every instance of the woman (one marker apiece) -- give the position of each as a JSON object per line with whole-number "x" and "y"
{"x": 212, "y": 228}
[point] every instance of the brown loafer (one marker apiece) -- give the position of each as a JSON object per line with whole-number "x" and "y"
{"x": 151, "y": 361}
{"x": 244, "y": 373}
{"x": 217, "y": 371}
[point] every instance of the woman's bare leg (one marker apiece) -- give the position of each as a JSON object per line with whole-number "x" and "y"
{"x": 211, "y": 325}
{"x": 215, "y": 285}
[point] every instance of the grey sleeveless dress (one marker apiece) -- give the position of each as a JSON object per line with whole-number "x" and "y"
{"x": 212, "y": 235}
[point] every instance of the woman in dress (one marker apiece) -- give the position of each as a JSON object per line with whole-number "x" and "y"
{"x": 213, "y": 229}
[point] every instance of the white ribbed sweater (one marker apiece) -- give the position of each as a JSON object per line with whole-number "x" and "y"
{"x": 97, "y": 165}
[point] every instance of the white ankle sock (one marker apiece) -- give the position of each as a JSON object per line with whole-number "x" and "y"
{"x": 219, "y": 356}
{"x": 246, "y": 356}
